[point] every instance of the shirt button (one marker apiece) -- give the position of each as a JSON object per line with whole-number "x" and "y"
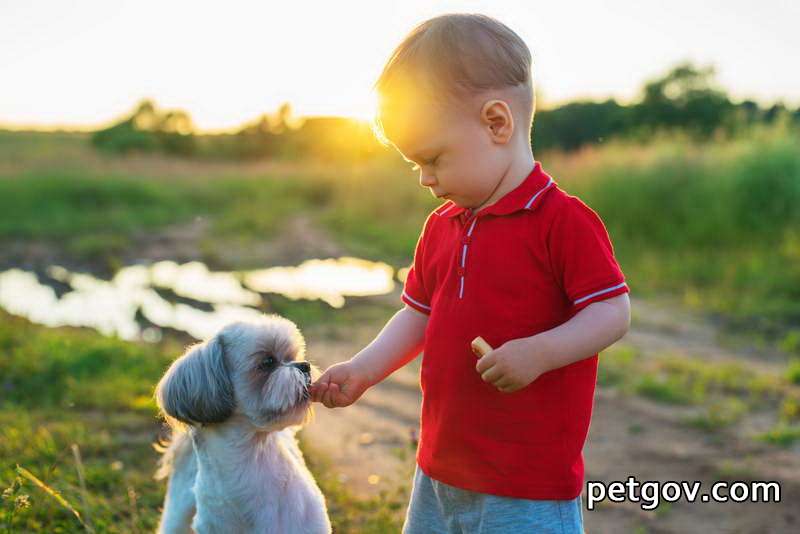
{"x": 466, "y": 239}
{"x": 460, "y": 271}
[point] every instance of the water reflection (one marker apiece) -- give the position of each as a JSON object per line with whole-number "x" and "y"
{"x": 329, "y": 280}
{"x": 111, "y": 306}
{"x": 194, "y": 280}
{"x": 402, "y": 274}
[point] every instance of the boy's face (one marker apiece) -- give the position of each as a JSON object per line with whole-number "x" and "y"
{"x": 451, "y": 147}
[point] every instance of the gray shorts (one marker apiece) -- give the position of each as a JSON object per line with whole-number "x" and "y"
{"x": 436, "y": 508}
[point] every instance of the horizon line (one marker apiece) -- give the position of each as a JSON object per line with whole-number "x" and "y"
{"x": 88, "y": 128}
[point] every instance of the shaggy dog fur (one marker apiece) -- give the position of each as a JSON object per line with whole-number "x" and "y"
{"x": 234, "y": 404}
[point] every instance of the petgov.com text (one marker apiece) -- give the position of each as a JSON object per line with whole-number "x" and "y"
{"x": 652, "y": 493}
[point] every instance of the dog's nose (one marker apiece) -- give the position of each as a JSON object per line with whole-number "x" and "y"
{"x": 303, "y": 366}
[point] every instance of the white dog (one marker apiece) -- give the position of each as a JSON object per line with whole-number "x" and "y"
{"x": 237, "y": 466}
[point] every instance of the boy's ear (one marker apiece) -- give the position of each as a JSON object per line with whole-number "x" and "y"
{"x": 496, "y": 114}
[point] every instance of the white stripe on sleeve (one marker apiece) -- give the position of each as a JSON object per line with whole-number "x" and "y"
{"x": 421, "y": 305}
{"x": 602, "y": 291}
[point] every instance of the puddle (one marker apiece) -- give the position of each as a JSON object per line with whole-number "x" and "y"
{"x": 111, "y": 306}
{"x": 328, "y": 280}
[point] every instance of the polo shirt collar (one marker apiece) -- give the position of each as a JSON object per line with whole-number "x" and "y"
{"x": 526, "y": 196}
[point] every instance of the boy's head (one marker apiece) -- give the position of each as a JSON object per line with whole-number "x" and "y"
{"x": 456, "y": 98}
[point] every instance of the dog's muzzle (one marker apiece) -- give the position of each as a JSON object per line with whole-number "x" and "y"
{"x": 305, "y": 368}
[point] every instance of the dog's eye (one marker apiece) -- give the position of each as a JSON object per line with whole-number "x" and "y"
{"x": 267, "y": 363}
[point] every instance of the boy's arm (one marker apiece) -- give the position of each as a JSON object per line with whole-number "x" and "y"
{"x": 593, "y": 329}
{"x": 399, "y": 342}
{"x": 519, "y": 362}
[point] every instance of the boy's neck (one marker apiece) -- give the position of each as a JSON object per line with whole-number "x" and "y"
{"x": 515, "y": 174}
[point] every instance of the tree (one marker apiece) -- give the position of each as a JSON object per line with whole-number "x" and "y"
{"x": 148, "y": 129}
{"x": 686, "y": 97}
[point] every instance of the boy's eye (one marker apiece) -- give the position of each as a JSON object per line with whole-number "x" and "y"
{"x": 432, "y": 162}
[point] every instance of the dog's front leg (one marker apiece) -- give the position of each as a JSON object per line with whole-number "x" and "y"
{"x": 179, "y": 503}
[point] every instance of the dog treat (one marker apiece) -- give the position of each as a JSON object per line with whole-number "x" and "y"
{"x": 480, "y": 347}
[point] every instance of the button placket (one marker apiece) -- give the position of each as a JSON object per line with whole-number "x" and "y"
{"x": 462, "y": 269}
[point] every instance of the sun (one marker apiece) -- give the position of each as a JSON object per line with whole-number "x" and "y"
{"x": 365, "y": 108}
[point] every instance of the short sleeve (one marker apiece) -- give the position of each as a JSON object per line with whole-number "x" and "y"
{"x": 415, "y": 293}
{"x": 582, "y": 256}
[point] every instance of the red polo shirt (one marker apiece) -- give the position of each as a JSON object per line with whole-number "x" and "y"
{"x": 521, "y": 266}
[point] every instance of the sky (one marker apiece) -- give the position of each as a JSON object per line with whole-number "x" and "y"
{"x": 82, "y": 64}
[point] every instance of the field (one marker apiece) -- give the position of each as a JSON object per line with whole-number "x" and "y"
{"x": 706, "y": 385}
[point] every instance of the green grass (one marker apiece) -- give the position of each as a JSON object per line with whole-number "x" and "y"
{"x": 720, "y": 394}
{"x": 678, "y": 379}
{"x": 377, "y": 515}
{"x": 616, "y": 365}
{"x": 791, "y": 343}
{"x": 64, "y": 387}
{"x": 719, "y": 413}
{"x": 95, "y": 218}
{"x": 60, "y": 205}
{"x": 667, "y": 389}
{"x": 69, "y": 386}
{"x": 793, "y": 371}
{"x": 782, "y": 435}
{"x": 715, "y": 225}
{"x": 93, "y": 214}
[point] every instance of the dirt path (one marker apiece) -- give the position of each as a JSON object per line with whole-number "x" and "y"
{"x": 629, "y": 436}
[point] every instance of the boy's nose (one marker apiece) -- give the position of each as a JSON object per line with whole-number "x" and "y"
{"x": 427, "y": 180}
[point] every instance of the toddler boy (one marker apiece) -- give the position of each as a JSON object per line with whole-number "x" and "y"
{"x": 510, "y": 257}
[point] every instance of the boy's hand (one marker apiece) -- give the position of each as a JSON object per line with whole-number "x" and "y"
{"x": 341, "y": 385}
{"x": 513, "y": 365}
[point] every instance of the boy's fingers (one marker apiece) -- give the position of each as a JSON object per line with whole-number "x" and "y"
{"x": 326, "y": 398}
{"x": 504, "y": 384}
{"x": 321, "y": 389}
{"x": 316, "y": 391}
{"x": 324, "y": 378}
{"x": 335, "y": 395}
{"x": 491, "y": 375}
{"x": 485, "y": 363}
{"x": 330, "y": 395}
{"x": 340, "y": 397}
{"x": 323, "y": 385}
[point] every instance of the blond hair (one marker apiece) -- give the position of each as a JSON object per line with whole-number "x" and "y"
{"x": 456, "y": 55}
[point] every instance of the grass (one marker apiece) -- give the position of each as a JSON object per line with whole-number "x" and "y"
{"x": 715, "y": 225}
{"x": 93, "y": 214}
{"x": 69, "y": 387}
{"x": 376, "y": 515}
{"x": 65, "y": 387}
{"x": 719, "y": 413}
{"x": 60, "y": 205}
{"x": 782, "y": 434}
{"x": 720, "y": 394}
{"x": 95, "y": 218}
{"x": 793, "y": 371}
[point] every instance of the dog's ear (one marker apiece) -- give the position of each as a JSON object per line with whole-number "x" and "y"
{"x": 197, "y": 387}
